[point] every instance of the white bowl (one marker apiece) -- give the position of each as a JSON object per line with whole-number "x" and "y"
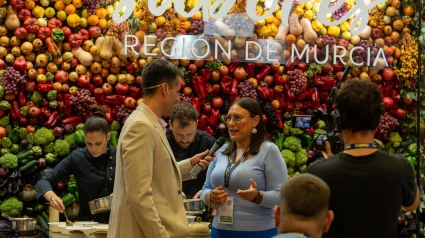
{"x": 64, "y": 231}
{"x": 86, "y": 223}
{"x": 102, "y": 227}
{"x": 54, "y": 226}
{"x": 190, "y": 219}
{"x": 86, "y": 230}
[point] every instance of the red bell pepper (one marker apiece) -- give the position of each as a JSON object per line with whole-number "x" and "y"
{"x": 310, "y": 131}
{"x": 299, "y": 105}
{"x": 271, "y": 94}
{"x": 45, "y": 111}
{"x": 114, "y": 99}
{"x": 68, "y": 107}
{"x": 277, "y": 78}
{"x": 290, "y": 64}
{"x": 323, "y": 96}
{"x": 234, "y": 87}
{"x": 314, "y": 95}
{"x": 214, "y": 117}
{"x": 289, "y": 95}
{"x": 108, "y": 113}
{"x": 233, "y": 98}
{"x": 12, "y": 114}
{"x": 196, "y": 103}
{"x": 395, "y": 95}
{"x": 279, "y": 115}
{"x": 44, "y": 88}
{"x": 99, "y": 96}
{"x": 290, "y": 107}
{"x": 308, "y": 104}
{"x": 263, "y": 72}
{"x": 209, "y": 88}
{"x": 250, "y": 70}
{"x": 203, "y": 122}
{"x": 199, "y": 85}
{"x": 52, "y": 48}
{"x": 226, "y": 84}
{"x": 209, "y": 131}
{"x": 282, "y": 101}
{"x": 205, "y": 74}
{"x": 91, "y": 88}
{"x": 51, "y": 119}
{"x": 72, "y": 120}
{"x": 134, "y": 92}
{"x": 61, "y": 104}
{"x": 388, "y": 87}
{"x": 303, "y": 95}
{"x": 325, "y": 82}
{"x": 115, "y": 110}
{"x": 263, "y": 91}
{"x": 22, "y": 99}
{"x": 232, "y": 66}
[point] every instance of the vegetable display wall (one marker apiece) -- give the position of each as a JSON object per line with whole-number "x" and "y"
{"x": 59, "y": 57}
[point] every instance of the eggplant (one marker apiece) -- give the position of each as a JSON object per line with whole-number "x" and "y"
{"x": 68, "y": 129}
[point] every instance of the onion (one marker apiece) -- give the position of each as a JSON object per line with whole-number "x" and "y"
{"x": 387, "y": 19}
{"x": 311, "y": 154}
{"x": 221, "y": 128}
{"x": 61, "y": 186}
{"x": 41, "y": 163}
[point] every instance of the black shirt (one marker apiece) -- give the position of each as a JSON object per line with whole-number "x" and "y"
{"x": 94, "y": 176}
{"x": 203, "y": 141}
{"x": 367, "y": 193}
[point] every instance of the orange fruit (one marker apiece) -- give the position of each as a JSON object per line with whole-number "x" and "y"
{"x": 160, "y": 21}
{"x": 70, "y": 9}
{"x": 101, "y": 13}
{"x": 59, "y": 5}
{"x": 102, "y": 23}
{"x": 140, "y": 35}
{"x": 77, "y": 3}
{"x": 93, "y": 20}
{"x": 197, "y": 16}
{"x": 186, "y": 25}
{"x": 143, "y": 25}
{"x": 182, "y": 18}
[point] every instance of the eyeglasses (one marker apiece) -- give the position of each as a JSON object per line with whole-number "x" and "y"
{"x": 156, "y": 86}
{"x": 236, "y": 118}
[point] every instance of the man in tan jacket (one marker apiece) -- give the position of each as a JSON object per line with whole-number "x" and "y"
{"x": 148, "y": 181}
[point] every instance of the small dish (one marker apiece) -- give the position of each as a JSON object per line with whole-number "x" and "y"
{"x": 86, "y": 230}
{"x": 64, "y": 231}
{"x": 54, "y": 226}
{"x": 86, "y": 223}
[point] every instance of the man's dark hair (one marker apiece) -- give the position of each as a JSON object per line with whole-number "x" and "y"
{"x": 157, "y": 72}
{"x": 257, "y": 139}
{"x": 359, "y": 104}
{"x": 184, "y": 113}
{"x": 304, "y": 196}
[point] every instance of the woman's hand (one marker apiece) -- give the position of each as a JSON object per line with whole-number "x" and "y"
{"x": 219, "y": 196}
{"x": 249, "y": 194}
{"x": 56, "y": 203}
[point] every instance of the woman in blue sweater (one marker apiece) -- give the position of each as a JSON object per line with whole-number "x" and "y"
{"x": 243, "y": 182}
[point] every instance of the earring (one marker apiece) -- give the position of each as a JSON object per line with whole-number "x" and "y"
{"x": 254, "y": 130}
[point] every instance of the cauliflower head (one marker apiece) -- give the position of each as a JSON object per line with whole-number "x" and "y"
{"x": 395, "y": 139}
{"x": 301, "y": 157}
{"x": 9, "y": 161}
{"x": 43, "y": 136}
{"x": 289, "y": 157}
{"x": 61, "y": 147}
{"x": 293, "y": 143}
{"x": 11, "y": 207}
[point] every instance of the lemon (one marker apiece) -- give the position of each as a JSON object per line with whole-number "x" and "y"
{"x": 85, "y": 14}
{"x": 61, "y": 15}
{"x": 67, "y": 2}
{"x": 50, "y": 12}
{"x": 83, "y": 22}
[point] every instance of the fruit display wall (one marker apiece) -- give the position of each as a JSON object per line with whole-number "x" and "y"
{"x": 58, "y": 57}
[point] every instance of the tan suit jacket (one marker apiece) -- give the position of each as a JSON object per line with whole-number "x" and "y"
{"x": 147, "y": 198}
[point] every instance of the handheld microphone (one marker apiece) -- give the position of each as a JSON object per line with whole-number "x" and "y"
{"x": 197, "y": 169}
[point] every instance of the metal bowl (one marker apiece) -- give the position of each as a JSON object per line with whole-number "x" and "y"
{"x": 194, "y": 206}
{"x": 23, "y": 224}
{"x": 100, "y": 205}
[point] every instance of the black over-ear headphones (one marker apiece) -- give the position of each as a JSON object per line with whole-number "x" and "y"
{"x": 336, "y": 117}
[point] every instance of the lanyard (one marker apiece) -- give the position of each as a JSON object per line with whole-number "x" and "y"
{"x": 230, "y": 169}
{"x": 360, "y": 145}
{"x": 298, "y": 234}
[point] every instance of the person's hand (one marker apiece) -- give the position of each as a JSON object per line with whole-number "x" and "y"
{"x": 202, "y": 159}
{"x": 219, "y": 196}
{"x": 56, "y": 203}
{"x": 249, "y": 194}
{"x": 328, "y": 153}
{"x": 112, "y": 194}
{"x": 198, "y": 194}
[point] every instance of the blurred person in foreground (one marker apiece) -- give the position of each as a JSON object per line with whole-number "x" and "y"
{"x": 363, "y": 178}
{"x": 186, "y": 141}
{"x": 148, "y": 182}
{"x": 243, "y": 182}
{"x": 303, "y": 210}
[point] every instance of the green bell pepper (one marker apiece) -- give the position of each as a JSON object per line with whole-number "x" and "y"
{"x": 306, "y": 141}
{"x": 73, "y": 188}
{"x": 58, "y": 35}
{"x": 114, "y": 138}
{"x": 68, "y": 199}
{"x": 79, "y": 137}
{"x": 40, "y": 208}
{"x": 13, "y": 135}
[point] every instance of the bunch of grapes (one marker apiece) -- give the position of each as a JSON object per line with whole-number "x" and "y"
{"x": 197, "y": 27}
{"x": 184, "y": 98}
{"x": 82, "y": 102}
{"x": 13, "y": 81}
{"x": 91, "y": 6}
{"x": 241, "y": 23}
{"x": 295, "y": 5}
{"x": 340, "y": 12}
{"x": 246, "y": 89}
{"x": 210, "y": 27}
{"x": 387, "y": 124}
{"x": 329, "y": 40}
{"x": 408, "y": 229}
{"x": 123, "y": 113}
{"x": 272, "y": 118}
{"x": 297, "y": 81}
{"x": 360, "y": 55}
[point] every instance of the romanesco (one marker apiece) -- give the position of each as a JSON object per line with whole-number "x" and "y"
{"x": 23, "y": 133}
{"x": 395, "y": 139}
{"x": 9, "y": 161}
{"x": 37, "y": 150}
{"x": 49, "y": 77}
{"x": 293, "y": 143}
{"x": 53, "y": 104}
{"x": 11, "y": 207}
{"x": 4, "y": 105}
{"x": 24, "y": 111}
{"x": 61, "y": 147}
{"x": 4, "y": 121}
{"x": 295, "y": 131}
{"x": 303, "y": 168}
{"x": 290, "y": 171}
{"x": 289, "y": 157}
{"x": 30, "y": 138}
{"x": 115, "y": 126}
{"x": 6, "y": 142}
{"x": 320, "y": 131}
{"x": 51, "y": 95}
{"x": 4, "y": 151}
{"x": 14, "y": 149}
{"x": 301, "y": 157}
{"x": 43, "y": 136}
{"x": 49, "y": 148}
{"x": 49, "y": 157}
{"x": 71, "y": 141}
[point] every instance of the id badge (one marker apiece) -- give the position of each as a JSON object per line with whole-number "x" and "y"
{"x": 226, "y": 212}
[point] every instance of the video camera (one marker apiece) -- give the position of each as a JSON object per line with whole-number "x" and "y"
{"x": 330, "y": 117}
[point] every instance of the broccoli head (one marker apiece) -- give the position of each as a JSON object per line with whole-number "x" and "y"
{"x": 4, "y": 105}
{"x": 289, "y": 157}
{"x": 11, "y": 207}
{"x": 61, "y": 147}
{"x": 53, "y": 104}
{"x": 24, "y": 111}
{"x": 49, "y": 148}
{"x": 301, "y": 157}
{"x": 43, "y": 136}
{"x": 293, "y": 143}
{"x": 4, "y": 121}
{"x": 14, "y": 149}
{"x": 37, "y": 150}
{"x": 49, "y": 157}
{"x": 395, "y": 139}
{"x": 71, "y": 141}
{"x": 51, "y": 95}
{"x": 6, "y": 142}
{"x": 4, "y": 151}
{"x": 9, "y": 161}
{"x": 23, "y": 133}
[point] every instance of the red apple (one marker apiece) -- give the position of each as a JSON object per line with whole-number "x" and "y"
{"x": 302, "y": 66}
{"x": 400, "y": 113}
{"x": 343, "y": 42}
{"x": 217, "y": 102}
{"x": 388, "y": 74}
{"x": 138, "y": 81}
{"x": 20, "y": 65}
{"x": 97, "y": 80}
{"x": 2, "y": 64}
{"x": 95, "y": 31}
{"x": 61, "y": 76}
{"x": 407, "y": 100}
{"x": 206, "y": 108}
{"x": 83, "y": 81}
{"x": 199, "y": 63}
{"x": 388, "y": 102}
{"x": 239, "y": 73}
{"x": 275, "y": 104}
{"x": 58, "y": 131}
{"x": 192, "y": 68}
{"x": 121, "y": 88}
{"x": 223, "y": 70}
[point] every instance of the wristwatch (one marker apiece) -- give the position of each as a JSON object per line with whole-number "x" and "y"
{"x": 258, "y": 199}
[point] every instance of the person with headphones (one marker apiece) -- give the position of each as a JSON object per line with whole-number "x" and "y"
{"x": 363, "y": 178}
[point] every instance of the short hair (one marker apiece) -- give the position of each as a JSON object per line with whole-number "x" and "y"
{"x": 359, "y": 104}
{"x": 184, "y": 113}
{"x": 305, "y": 196}
{"x": 257, "y": 139}
{"x": 97, "y": 122}
{"x": 159, "y": 71}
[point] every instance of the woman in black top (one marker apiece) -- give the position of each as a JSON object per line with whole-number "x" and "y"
{"x": 93, "y": 168}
